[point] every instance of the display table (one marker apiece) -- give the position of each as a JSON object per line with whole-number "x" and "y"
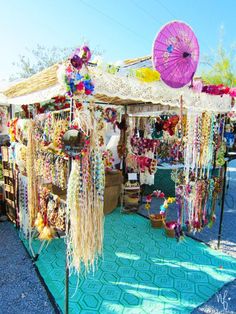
{"x": 163, "y": 180}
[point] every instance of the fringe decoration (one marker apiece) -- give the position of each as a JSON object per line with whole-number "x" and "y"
{"x": 32, "y": 178}
{"x": 84, "y": 221}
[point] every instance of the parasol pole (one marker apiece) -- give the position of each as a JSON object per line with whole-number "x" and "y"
{"x": 68, "y": 226}
{"x": 181, "y": 122}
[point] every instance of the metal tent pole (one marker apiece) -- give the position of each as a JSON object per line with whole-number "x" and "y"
{"x": 229, "y": 157}
{"x": 222, "y": 204}
{"x": 67, "y": 267}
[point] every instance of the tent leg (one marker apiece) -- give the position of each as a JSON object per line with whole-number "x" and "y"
{"x": 67, "y": 290}
{"x": 68, "y": 226}
{"x": 222, "y": 206}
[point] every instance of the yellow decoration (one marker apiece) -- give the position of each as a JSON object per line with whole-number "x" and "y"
{"x": 46, "y": 234}
{"x": 147, "y": 206}
{"x": 170, "y": 200}
{"x": 165, "y": 204}
{"x": 39, "y": 223}
{"x": 147, "y": 75}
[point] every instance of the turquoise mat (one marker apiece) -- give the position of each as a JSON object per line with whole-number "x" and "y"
{"x": 142, "y": 271}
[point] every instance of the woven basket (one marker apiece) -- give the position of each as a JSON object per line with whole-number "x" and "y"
{"x": 131, "y": 200}
{"x": 170, "y": 231}
{"x": 158, "y": 222}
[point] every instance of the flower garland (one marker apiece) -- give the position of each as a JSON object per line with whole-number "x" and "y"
{"x": 56, "y": 103}
{"x": 196, "y": 189}
{"x": 108, "y": 159}
{"x": 163, "y": 207}
{"x": 142, "y": 145}
{"x": 141, "y": 163}
{"x": 23, "y": 205}
{"x": 56, "y": 212}
{"x": 219, "y": 90}
{"x": 12, "y": 129}
{"x": 197, "y": 202}
{"x": 110, "y": 115}
{"x": 51, "y": 168}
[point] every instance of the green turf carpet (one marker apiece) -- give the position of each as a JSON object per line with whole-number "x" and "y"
{"x": 142, "y": 271}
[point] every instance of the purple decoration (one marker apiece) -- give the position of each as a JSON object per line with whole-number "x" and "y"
{"x": 86, "y": 54}
{"x": 176, "y": 54}
{"x": 77, "y": 62}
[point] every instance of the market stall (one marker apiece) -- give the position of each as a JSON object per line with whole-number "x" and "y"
{"x": 67, "y": 109}
{"x": 160, "y": 116}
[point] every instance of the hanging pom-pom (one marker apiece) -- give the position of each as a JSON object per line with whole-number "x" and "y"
{"x": 39, "y": 223}
{"x": 47, "y": 233}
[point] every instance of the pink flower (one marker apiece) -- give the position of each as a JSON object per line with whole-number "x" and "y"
{"x": 80, "y": 86}
{"x": 88, "y": 92}
{"x": 149, "y": 198}
{"x": 197, "y": 86}
{"x": 232, "y": 92}
{"x": 156, "y": 193}
{"x": 69, "y": 70}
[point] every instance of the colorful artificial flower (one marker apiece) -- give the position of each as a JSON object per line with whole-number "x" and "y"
{"x": 219, "y": 90}
{"x": 110, "y": 115}
{"x": 147, "y": 206}
{"x": 170, "y": 124}
{"x": 147, "y": 75}
{"x": 171, "y": 200}
{"x": 75, "y": 82}
{"x": 76, "y": 62}
{"x": 232, "y": 92}
{"x": 80, "y": 86}
{"x": 108, "y": 159}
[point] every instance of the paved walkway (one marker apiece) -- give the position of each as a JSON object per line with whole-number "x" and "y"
{"x": 20, "y": 288}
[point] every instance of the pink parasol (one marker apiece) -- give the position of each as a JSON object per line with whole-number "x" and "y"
{"x": 176, "y": 54}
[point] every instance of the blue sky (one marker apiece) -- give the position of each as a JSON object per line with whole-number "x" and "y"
{"x": 121, "y": 28}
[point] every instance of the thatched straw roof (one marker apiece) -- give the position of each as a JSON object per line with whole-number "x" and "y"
{"x": 136, "y": 60}
{"x": 39, "y": 81}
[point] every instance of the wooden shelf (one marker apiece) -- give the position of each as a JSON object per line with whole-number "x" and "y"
{"x": 130, "y": 199}
{"x": 9, "y": 184}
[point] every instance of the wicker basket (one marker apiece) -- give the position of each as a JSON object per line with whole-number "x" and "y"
{"x": 158, "y": 221}
{"x": 131, "y": 200}
{"x": 170, "y": 231}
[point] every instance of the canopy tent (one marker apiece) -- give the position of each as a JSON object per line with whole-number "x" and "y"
{"x": 119, "y": 89}
{"x": 3, "y": 99}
